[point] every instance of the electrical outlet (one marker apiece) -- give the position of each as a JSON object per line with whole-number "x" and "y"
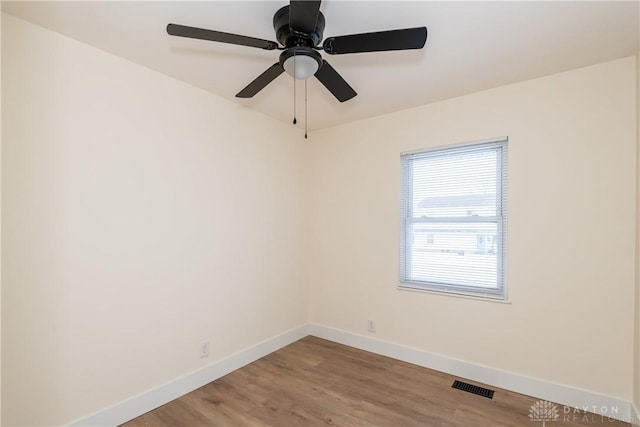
{"x": 204, "y": 349}
{"x": 371, "y": 325}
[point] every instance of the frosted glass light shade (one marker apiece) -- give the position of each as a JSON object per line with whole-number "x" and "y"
{"x": 305, "y": 66}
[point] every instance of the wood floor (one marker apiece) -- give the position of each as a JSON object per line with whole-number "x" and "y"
{"x": 314, "y": 382}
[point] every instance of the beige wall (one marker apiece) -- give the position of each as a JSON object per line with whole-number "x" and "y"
{"x": 140, "y": 216}
{"x": 636, "y": 395}
{"x": 0, "y": 222}
{"x": 571, "y": 229}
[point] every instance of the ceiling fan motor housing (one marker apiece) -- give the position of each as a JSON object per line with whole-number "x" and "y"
{"x": 289, "y": 37}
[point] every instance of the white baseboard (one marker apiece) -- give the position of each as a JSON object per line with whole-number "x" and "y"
{"x": 570, "y": 397}
{"x": 151, "y": 399}
{"x": 562, "y": 394}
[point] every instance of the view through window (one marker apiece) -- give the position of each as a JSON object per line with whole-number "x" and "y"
{"x": 454, "y": 219}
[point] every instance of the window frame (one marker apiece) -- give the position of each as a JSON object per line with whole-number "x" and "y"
{"x": 500, "y": 219}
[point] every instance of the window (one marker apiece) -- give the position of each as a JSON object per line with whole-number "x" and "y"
{"x": 453, "y": 220}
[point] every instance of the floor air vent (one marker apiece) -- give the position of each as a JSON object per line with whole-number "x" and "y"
{"x": 480, "y": 391}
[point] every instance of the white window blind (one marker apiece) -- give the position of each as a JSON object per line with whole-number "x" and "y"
{"x": 453, "y": 219}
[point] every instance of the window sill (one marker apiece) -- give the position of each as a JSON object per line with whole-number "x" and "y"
{"x": 402, "y": 287}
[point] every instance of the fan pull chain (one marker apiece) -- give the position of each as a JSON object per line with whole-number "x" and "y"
{"x": 294, "y": 88}
{"x": 305, "y": 109}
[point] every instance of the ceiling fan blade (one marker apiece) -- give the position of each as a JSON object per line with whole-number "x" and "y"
{"x": 334, "y": 82}
{"x": 218, "y": 36}
{"x": 303, "y": 15}
{"x": 261, "y": 81}
{"x": 408, "y": 38}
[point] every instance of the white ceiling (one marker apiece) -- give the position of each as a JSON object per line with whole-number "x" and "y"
{"x": 471, "y": 46}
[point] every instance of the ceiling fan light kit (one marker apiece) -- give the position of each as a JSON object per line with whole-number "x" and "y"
{"x": 300, "y": 62}
{"x": 299, "y": 29}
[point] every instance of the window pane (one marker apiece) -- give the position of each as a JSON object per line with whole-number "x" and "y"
{"x": 459, "y": 254}
{"x": 458, "y": 185}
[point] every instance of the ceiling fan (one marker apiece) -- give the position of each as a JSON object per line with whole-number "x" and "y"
{"x": 299, "y": 27}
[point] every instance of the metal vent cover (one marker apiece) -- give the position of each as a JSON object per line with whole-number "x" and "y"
{"x": 470, "y": 388}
